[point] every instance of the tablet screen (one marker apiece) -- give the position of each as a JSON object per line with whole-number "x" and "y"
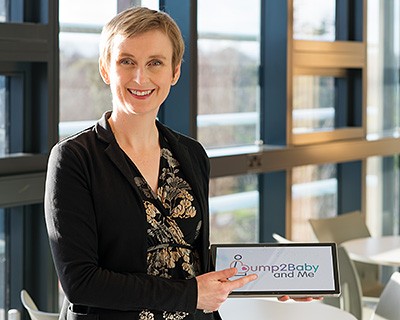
{"x": 292, "y": 268}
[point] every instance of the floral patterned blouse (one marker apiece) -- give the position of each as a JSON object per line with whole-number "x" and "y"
{"x": 173, "y": 227}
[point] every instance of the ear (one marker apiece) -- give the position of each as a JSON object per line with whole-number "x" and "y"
{"x": 176, "y": 74}
{"x": 103, "y": 69}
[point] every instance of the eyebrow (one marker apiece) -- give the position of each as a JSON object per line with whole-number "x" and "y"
{"x": 155, "y": 56}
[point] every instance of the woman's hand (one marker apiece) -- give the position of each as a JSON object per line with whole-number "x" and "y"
{"x": 214, "y": 287}
{"x": 299, "y": 299}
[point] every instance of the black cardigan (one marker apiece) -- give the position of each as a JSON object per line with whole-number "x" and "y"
{"x": 97, "y": 225}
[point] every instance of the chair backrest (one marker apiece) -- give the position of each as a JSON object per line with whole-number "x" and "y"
{"x": 350, "y": 298}
{"x": 341, "y": 228}
{"x": 388, "y": 305}
{"x": 32, "y": 309}
{"x": 280, "y": 239}
{"x": 345, "y": 227}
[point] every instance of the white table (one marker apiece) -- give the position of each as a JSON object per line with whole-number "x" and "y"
{"x": 383, "y": 250}
{"x": 262, "y": 309}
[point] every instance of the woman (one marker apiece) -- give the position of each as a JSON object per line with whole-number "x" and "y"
{"x": 126, "y": 200}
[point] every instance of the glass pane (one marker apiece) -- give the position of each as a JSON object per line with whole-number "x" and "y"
{"x": 314, "y": 195}
{"x": 3, "y": 11}
{"x": 90, "y": 12}
{"x": 313, "y": 103}
{"x": 314, "y": 20}
{"x": 83, "y": 95}
{"x": 151, "y": 4}
{"x": 12, "y": 138}
{"x": 383, "y": 50}
{"x": 228, "y": 61}
{"x": 234, "y": 209}
{"x": 382, "y": 195}
{"x": 3, "y": 117}
{"x": 3, "y": 288}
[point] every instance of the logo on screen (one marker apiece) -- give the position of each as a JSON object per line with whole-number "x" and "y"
{"x": 280, "y": 270}
{"x": 241, "y": 267}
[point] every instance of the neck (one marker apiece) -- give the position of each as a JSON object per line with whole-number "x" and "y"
{"x": 133, "y": 131}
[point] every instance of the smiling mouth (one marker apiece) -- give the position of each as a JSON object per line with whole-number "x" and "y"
{"x": 140, "y": 93}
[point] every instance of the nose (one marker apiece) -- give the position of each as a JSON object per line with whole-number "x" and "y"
{"x": 140, "y": 75}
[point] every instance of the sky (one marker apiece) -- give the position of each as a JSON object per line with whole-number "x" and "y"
{"x": 91, "y": 11}
{"x": 239, "y": 17}
{"x": 238, "y": 14}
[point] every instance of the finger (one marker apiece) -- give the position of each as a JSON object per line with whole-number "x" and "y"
{"x": 284, "y": 298}
{"x": 303, "y": 299}
{"x": 299, "y": 299}
{"x": 238, "y": 283}
{"x": 224, "y": 274}
{"x": 306, "y": 299}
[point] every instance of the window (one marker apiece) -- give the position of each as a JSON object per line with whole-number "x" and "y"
{"x": 327, "y": 82}
{"x": 84, "y": 97}
{"x": 383, "y": 100}
{"x": 18, "y": 248}
{"x": 3, "y": 270}
{"x": 3, "y": 117}
{"x": 228, "y": 112}
{"x": 314, "y": 20}
{"x": 328, "y": 66}
{"x": 17, "y": 134}
{"x": 314, "y": 195}
{"x": 383, "y": 113}
{"x": 234, "y": 209}
{"x": 228, "y": 64}
{"x": 28, "y": 109}
{"x": 3, "y": 13}
{"x": 326, "y": 100}
{"x": 313, "y": 103}
{"x": 28, "y": 82}
{"x": 382, "y": 183}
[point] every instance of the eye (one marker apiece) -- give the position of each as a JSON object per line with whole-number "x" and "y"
{"x": 155, "y": 63}
{"x": 126, "y": 61}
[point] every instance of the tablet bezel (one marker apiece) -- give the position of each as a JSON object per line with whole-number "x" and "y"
{"x": 294, "y": 293}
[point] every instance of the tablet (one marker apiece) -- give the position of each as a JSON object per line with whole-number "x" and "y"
{"x": 294, "y": 269}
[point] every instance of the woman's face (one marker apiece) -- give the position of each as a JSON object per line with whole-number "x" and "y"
{"x": 140, "y": 72}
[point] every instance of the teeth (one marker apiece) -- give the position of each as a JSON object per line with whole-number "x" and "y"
{"x": 141, "y": 93}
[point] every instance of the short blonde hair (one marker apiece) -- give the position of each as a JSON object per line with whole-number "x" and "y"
{"x": 137, "y": 20}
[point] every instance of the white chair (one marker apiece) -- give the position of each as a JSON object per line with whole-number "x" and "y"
{"x": 280, "y": 239}
{"x": 388, "y": 306}
{"x": 345, "y": 227}
{"x": 33, "y": 310}
{"x": 350, "y": 298}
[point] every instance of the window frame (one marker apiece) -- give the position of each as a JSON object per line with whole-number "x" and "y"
{"x": 347, "y": 52}
{"x": 29, "y": 42}
{"x": 281, "y": 151}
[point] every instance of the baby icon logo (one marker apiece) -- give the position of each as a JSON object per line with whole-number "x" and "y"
{"x": 239, "y": 265}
